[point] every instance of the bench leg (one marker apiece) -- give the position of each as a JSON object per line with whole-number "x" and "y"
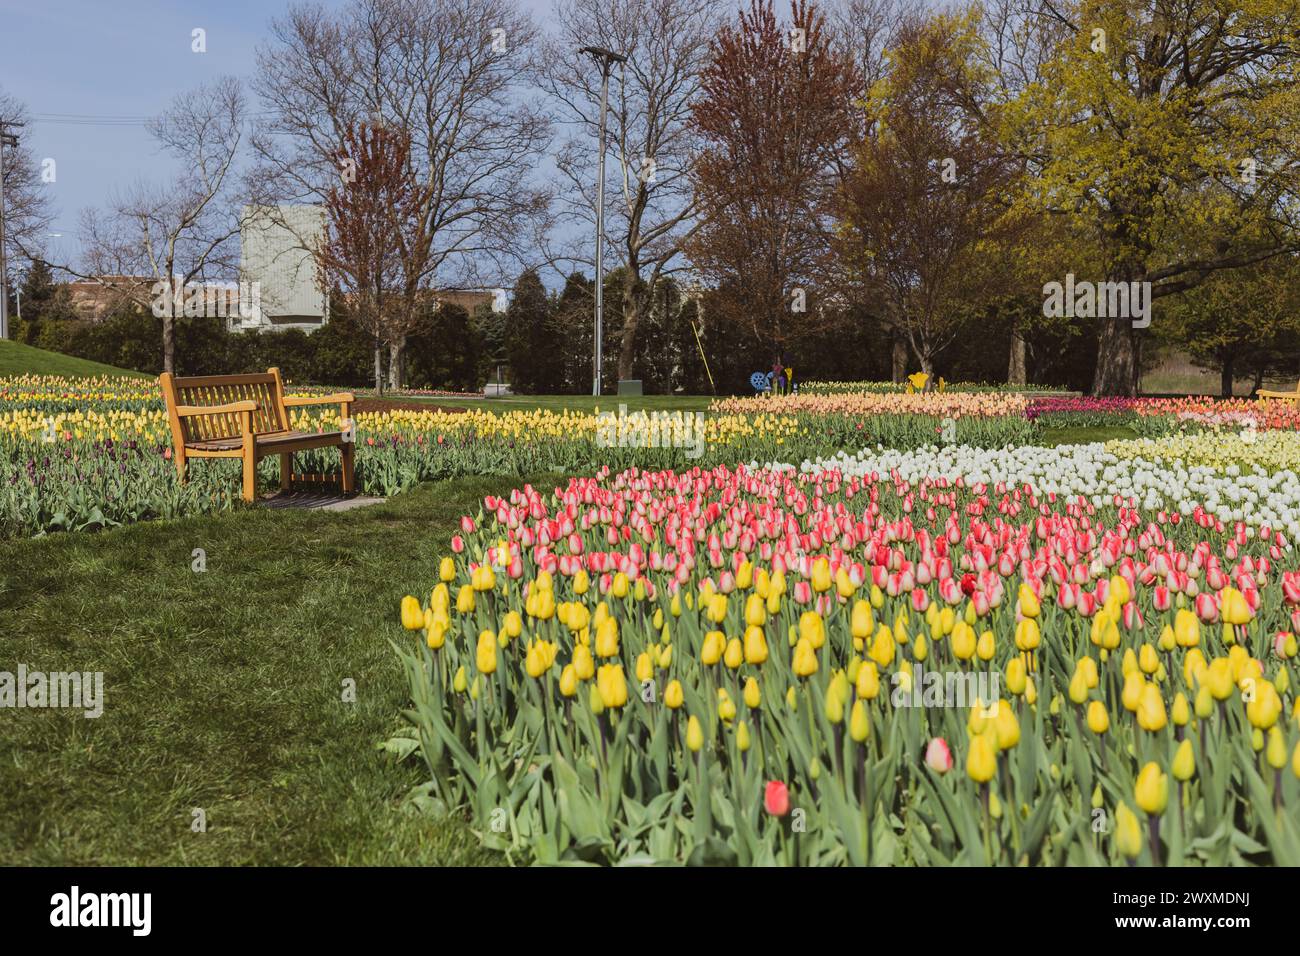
{"x": 250, "y": 470}
{"x": 347, "y": 448}
{"x": 180, "y": 466}
{"x": 286, "y": 469}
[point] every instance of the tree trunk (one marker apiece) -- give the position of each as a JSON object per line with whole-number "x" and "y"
{"x": 1016, "y": 366}
{"x": 1225, "y": 377}
{"x": 631, "y": 319}
{"x": 379, "y": 369}
{"x": 397, "y": 363}
{"x": 898, "y": 358}
{"x": 927, "y": 366}
{"x": 1259, "y": 379}
{"x": 169, "y": 344}
{"x": 1117, "y": 372}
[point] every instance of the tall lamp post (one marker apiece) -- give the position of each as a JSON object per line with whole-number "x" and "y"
{"x": 606, "y": 59}
{"x": 6, "y": 139}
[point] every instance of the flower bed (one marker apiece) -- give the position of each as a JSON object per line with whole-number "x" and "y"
{"x": 737, "y": 666}
{"x": 898, "y": 420}
{"x": 1163, "y": 477}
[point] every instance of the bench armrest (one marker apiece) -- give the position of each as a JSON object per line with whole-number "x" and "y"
{"x": 1291, "y": 395}
{"x": 336, "y": 399}
{"x": 189, "y": 411}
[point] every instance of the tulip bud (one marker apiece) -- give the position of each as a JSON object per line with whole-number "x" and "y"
{"x": 1016, "y": 675}
{"x": 937, "y": 756}
{"x": 805, "y": 658}
{"x": 742, "y": 737}
{"x": 776, "y": 798}
{"x": 981, "y": 763}
{"x": 752, "y": 695}
{"x": 1275, "y": 752}
{"x": 859, "y": 726}
{"x": 1151, "y": 709}
{"x": 1184, "y": 764}
{"x": 734, "y": 655}
{"x": 1152, "y": 790}
{"x": 1128, "y": 833}
{"x": 673, "y": 695}
{"x": 1098, "y": 719}
{"x": 412, "y": 613}
{"x": 694, "y": 735}
{"x": 568, "y": 681}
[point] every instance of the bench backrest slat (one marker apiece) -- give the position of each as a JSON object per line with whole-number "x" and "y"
{"x": 265, "y": 389}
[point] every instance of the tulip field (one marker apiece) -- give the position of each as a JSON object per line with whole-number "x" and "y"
{"x": 768, "y": 667}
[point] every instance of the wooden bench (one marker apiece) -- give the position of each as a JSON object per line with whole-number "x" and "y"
{"x": 1293, "y": 396}
{"x": 247, "y": 417}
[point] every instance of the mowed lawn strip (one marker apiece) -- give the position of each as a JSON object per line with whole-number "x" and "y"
{"x": 223, "y": 689}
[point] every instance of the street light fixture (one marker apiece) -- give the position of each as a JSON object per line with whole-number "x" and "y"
{"x": 606, "y": 59}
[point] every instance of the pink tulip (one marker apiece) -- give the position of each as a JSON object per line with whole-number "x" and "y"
{"x": 937, "y": 756}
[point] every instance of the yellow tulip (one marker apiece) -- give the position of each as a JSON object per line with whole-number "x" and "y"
{"x": 1181, "y": 713}
{"x": 1184, "y": 764}
{"x": 583, "y": 665}
{"x": 412, "y": 613}
{"x": 1006, "y": 727}
{"x": 752, "y": 695}
{"x": 1027, "y": 634}
{"x": 715, "y": 644}
{"x": 812, "y": 628}
{"x": 734, "y": 655}
{"x": 963, "y": 641}
{"x": 1266, "y": 706}
{"x": 486, "y": 657}
{"x": 1151, "y": 709}
{"x": 755, "y": 645}
{"x": 694, "y": 735}
{"x": 742, "y": 737}
{"x": 447, "y": 570}
{"x": 645, "y": 669}
{"x": 1128, "y": 833}
{"x": 1187, "y": 628}
{"x": 612, "y": 685}
{"x": 1028, "y": 601}
{"x": 1016, "y": 676}
{"x": 868, "y": 681}
{"x": 1098, "y": 719}
{"x": 673, "y": 695}
{"x": 859, "y": 725}
{"x": 981, "y": 763}
{"x": 1152, "y": 790}
{"x": 568, "y": 681}
{"x": 1275, "y": 753}
{"x": 805, "y": 658}
{"x": 862, "y": 621}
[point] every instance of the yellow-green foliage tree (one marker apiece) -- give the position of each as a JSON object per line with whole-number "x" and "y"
{"x": 1166, "y": 132}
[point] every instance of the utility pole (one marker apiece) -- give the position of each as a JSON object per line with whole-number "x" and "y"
{"x": 606, "y": 59}
{"x": 6, "y": 139}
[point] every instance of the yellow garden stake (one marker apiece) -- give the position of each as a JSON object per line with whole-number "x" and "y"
{"x": 704, "y": 358}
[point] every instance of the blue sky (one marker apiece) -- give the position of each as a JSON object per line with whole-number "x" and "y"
{"x": 118, "y": 58}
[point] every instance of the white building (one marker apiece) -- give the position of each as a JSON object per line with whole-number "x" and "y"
{"x": 274, "y": 253}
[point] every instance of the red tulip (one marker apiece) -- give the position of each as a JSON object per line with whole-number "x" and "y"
{"x": 776, "y": 798}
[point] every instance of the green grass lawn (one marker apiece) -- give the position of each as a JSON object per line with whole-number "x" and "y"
{"x": 19, "y": 359}
{"x": 223, "y": 689}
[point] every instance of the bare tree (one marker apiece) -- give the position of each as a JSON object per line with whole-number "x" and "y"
{"x": 372, "y": 244}
{"x": 182, "y": 232}
{"x": 776, "y": 116}
{"x": 27, "y": 207}
{"x": 455, "y": 76}
{"x": 666, "y": 43}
